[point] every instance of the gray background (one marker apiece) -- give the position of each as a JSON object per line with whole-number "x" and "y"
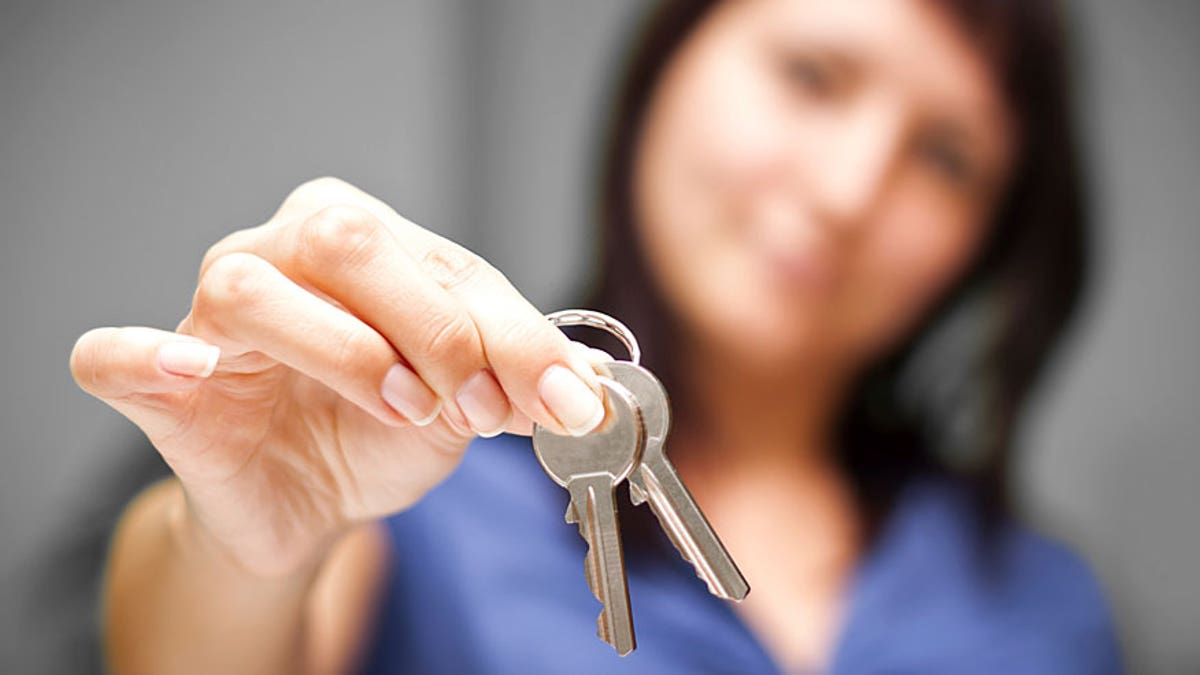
{"x": 135, "y": 133}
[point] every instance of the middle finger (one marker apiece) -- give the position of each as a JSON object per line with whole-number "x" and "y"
{"x": 348, "y": 254}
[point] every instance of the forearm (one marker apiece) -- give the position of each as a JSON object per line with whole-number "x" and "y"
{"x": 174, "y": 603}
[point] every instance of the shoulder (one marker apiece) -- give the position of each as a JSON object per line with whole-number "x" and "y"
{"x": 1054, "y": 592}
{"x": 1026, "y": 569}
{"x": 1019, "y": 601}
{"x": 1045, "y": 573}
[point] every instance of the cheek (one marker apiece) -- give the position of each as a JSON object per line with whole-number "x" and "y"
{"x": 712, "y": 134}
{"x": 910, "y": 259}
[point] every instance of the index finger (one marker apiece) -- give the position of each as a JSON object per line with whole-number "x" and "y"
{"x": 533, "y": 361}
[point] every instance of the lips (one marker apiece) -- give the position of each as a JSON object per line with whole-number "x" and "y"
{"x": 795, "y": 260}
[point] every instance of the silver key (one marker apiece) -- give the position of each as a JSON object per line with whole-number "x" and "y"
{"x": 655, "y": 480}
{"x": 591, "y": 467}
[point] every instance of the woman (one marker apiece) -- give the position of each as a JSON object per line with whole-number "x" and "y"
{"x": 849, "y": 233}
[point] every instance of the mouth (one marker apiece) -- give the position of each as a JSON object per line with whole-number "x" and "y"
{"x": 798, "y": 266}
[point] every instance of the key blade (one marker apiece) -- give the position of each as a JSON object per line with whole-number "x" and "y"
{"x": 596, "y": 513}
{"x": 656, "y": 481}
{"x": 636, "y": 494}
{"x": 686, "y": 526}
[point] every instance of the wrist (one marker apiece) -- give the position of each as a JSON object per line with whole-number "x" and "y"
{"x": 195, "y": 541}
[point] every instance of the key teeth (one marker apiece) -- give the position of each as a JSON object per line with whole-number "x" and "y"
{"x": 589, "y": 565}
{"x": 589, "y": 560}
{"x": 602, "y": 617}
{"x": 603, "y": 635}
{"x": 590, "y": 572}
{"x": 712, "y": 586}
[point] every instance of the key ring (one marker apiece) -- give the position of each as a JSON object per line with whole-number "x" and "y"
{"x": 593, "y": 319}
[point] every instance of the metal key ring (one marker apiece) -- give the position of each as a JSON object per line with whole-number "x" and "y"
{"x": 593, "y": 319}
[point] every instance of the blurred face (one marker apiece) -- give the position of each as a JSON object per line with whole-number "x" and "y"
{"x": 813, "y": 174}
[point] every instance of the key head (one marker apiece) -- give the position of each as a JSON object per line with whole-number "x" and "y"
{"x": 613, "y": 448}
{"x": 650, "y": 394}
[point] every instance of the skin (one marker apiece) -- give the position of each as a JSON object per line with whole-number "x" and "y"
{"x": 832, "y": 164}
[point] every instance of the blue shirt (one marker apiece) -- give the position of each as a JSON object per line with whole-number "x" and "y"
{"x": 488, "y": 578}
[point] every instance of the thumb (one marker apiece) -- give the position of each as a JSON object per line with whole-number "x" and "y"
{"x": 142, "y": 372}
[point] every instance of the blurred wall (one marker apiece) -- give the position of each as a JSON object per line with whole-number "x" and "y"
{"x": 1113, "y": 455}
{"x": 135, "y": 133}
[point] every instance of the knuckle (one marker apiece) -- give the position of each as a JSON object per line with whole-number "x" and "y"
{"x": 232, "y": 280}
{"x": 448, "y": 338}
{"x": 340, "y": 234}
{"x": 523, "y": 340}
{"x": 452, "y": 266}
{"x": 228, "y": 244}
{"x": 353, "y": 348}
{"x": 320, "y": 191}
{"x": 211, "y": 255}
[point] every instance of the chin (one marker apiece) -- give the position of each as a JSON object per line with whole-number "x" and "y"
{"x": 768, "y": 338}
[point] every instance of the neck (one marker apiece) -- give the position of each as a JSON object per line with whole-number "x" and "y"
{"x": 759, "y": 460}
{"x": 755, "y": 415}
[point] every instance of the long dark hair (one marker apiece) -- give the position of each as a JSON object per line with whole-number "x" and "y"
{"x": 947, "y": 397}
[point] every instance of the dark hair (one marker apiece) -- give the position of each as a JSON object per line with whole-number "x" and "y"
{"x": 992, "y": 332}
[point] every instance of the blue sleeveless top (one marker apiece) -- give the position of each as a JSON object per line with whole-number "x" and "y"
{"x": 486, "y": 577}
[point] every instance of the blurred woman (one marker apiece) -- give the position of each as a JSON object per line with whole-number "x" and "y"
{"x": 849, "y": 234}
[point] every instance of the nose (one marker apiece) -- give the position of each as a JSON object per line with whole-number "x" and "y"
{"x": 848, "y": 167}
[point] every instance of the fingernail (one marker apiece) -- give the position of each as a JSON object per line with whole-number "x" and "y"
{"x": 409, "y": 396}
{"x": 591, "y": 356}
{"x": 483, "y": 402}
{"x": 190, "y": 359}
{"x": 571, "y": 401}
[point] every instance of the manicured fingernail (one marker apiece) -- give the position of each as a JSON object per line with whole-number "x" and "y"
{"x": 483, "y": 402}
{"x": 190, "y": 359}
{"x": 571, "y": 401}
{"x": 409, "y": 396}
{"x": 590, "y": 355}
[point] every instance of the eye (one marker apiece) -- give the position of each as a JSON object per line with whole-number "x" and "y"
{"x": 943, "y": 152}
{"x": 814, "y": 76}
